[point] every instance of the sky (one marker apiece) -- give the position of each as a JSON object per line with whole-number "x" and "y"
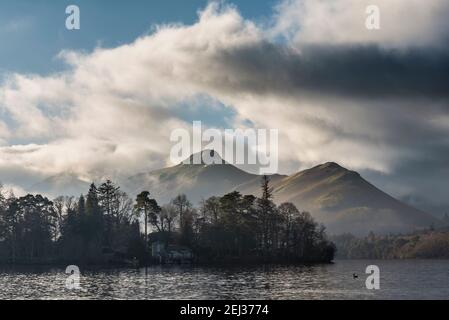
{"x": 39, "y": 25}
{"x": 102, "y": 100}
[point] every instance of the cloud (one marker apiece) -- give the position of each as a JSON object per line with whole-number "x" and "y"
{"x": 356, "y": 71}
{"x": 404, "y": 23}
{"x": 375, "y": 103}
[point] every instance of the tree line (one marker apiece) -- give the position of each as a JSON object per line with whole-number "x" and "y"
{"x": 424, "y": 244}
{"x": 107, "y": 226}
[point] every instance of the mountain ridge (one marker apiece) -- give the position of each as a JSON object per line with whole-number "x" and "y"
{"x": 339, "y": 198}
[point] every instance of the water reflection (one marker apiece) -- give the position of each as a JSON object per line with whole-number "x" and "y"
{"x": 399, "y": 280}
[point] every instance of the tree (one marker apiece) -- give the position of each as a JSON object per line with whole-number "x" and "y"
{"x": 10, "y": 224}
{"x": 156, "y": 218}
{"x": 267, "y": 215}
{"x": 94, "y": 214}
{"x": 124, "y": 208}
{"x": 62, "y": 205}
{"x": 233, "y": 227}
{"x": 3, "y": 210}
{"x": 81, "y": 216}
{"x": 108, "y": 196}
{"x": 304, "y": 234}
{"x": 187, "y": 229}
{"x": 143, "y": 206}
{"x": 210, "y": 210}
{"x": 288, "y": 213}
{"x": 169, "y": 214}
{"x": 36, "y": 216}
{"x": 92, "y": 202}
{"x": 182, "y": 205}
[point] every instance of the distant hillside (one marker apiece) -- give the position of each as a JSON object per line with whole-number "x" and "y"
{"x": 345, "y": 202}
{"x": 428, "y": 244}
{"x": 61, "y": 184}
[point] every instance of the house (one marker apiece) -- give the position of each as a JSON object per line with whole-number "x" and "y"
{"x": 171, "y": 254}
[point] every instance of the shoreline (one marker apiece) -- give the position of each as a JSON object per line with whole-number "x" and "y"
{"x": 64, "y": 265}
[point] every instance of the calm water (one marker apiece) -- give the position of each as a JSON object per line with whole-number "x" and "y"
{"x": 421, "y": 279}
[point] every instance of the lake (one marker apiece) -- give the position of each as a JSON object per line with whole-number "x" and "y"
{"x": 399, "y": 279}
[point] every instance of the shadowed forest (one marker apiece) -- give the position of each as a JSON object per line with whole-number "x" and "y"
{"x": 106, "y": 226}
{"x": 425, "y": 244}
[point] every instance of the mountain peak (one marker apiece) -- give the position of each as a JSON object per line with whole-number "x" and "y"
{"x": 205, "y": 157}
{"x": 328, "y": 169}
{"x": 328, "y": 166}
{"x": 331, "y": 165}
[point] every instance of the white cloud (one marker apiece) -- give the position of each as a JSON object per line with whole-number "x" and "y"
{"x": 404, "y": 23}
{"x": 113, "y": 111}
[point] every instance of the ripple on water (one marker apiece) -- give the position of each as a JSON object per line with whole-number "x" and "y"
{"x": 416, "y": 279}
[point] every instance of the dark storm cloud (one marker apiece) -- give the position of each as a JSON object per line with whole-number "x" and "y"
{"x": 420, "y": 182}
{"x": 400, "y": 94}
{"x": 364, "y": 71}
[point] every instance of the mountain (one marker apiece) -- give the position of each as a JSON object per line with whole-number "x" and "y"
{"x": 339, "y": 198}
{"x": 61, "y": 184}
{"x": 197, "y": 181}
{"x": 438, "y": 210}
{"x": 335, "y": 196}
{"x": 345, "y": 202}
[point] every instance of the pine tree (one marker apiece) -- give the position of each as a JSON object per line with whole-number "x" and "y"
{"x": 93, "y": 213}
{"x": 81, "y": 218}
{"x": 143, "y": 207}
{"x": 267, "y": 215}
{"x": 108, "y": 194}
